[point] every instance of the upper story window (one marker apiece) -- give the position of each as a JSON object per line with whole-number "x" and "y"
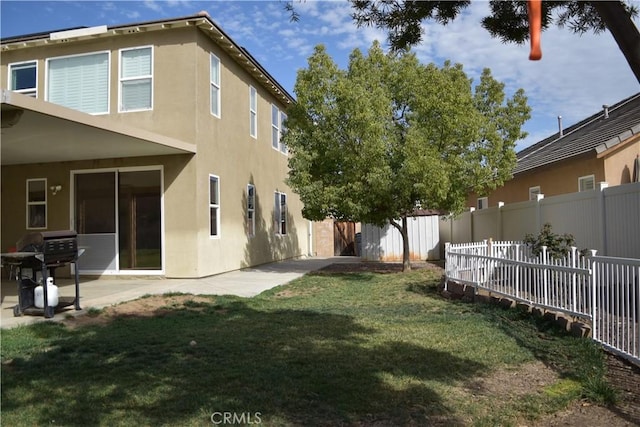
{"x": 533, "y": 192}
{"x": 483, "y": 203}
{"x": 277, "y": 128}
{"x": 251, "y": 210}
{"x": 586, "y": 183}
{"x": 136, "y": 79}
{"x": 253, "y": 112}
{"x": 80, "y": 82}
{"x": 280, "y": 213}
{"x": 37, "y": 203}
{"x": 214, "y": 206}
{"x": 23, "y": 77}
{"x": 215, "y": 85}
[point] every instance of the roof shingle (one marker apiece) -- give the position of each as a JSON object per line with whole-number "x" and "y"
{"x": 593, "y": 133}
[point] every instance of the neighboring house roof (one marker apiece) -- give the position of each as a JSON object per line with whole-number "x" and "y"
{"x": 597, "y": 133}
{"x": 202, "y": 20}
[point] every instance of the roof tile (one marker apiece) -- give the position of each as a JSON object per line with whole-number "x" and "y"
{"x": 592, "y": 133}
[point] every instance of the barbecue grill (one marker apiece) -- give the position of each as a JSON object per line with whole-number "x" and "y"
{"x": 42, "y": 252}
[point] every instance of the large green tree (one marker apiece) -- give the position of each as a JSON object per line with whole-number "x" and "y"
{"x": 508, "y": 20}
{"x": 374, "y": 142}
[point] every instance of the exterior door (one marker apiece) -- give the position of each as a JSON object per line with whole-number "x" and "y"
{"x": 344, "y": 237}
{"x": 118, "y": 218}
{"x": 139, "y": 220}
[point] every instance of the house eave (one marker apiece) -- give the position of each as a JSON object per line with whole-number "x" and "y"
{"x": 35, "y": 131}
{"x": 613, "y": 142}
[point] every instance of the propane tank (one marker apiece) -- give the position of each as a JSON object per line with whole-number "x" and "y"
{"x": 52, "y": 294}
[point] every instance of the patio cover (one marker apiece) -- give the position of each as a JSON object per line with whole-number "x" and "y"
{"x": 35, "y": 131}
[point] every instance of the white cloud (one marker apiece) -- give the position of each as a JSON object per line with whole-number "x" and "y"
{"x": 153, "y": 5}
{"x": 577, "y": 74}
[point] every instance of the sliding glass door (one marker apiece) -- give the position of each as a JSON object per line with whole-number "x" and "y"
{"x": 118, "y": 218}
{"x": 139, "y": 222}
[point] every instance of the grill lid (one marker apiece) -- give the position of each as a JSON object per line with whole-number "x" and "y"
{"x": 35, "y": 241}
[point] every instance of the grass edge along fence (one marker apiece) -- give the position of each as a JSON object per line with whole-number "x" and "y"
{"x": 603, "y": 291}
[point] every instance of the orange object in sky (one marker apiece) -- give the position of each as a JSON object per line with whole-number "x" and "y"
{"x": 534, "y": 9}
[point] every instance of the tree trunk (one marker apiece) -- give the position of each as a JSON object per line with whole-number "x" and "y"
{"x": 406, "y": 262}
{"x": 624, "y": 31}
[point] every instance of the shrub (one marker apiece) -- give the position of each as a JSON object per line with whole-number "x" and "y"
{"x": 558, "y": 246}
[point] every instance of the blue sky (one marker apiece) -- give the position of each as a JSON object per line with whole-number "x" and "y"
{"x": 576, "y": 76}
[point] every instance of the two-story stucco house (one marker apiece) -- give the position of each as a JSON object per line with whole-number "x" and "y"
{"x": 157, "y": 142}
{"x": 604, "y": 147}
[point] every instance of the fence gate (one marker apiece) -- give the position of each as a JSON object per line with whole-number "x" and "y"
{"x": 344, "y": 238}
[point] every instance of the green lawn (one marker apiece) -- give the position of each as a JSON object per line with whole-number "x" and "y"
{"x": 327, "y": 349}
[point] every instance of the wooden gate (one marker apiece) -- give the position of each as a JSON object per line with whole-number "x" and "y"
{"x": 344, "y": 238}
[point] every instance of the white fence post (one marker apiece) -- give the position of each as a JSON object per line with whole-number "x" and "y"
{"x": 499, "y": 221}
{"x": 594, "y": 295}
{"x": 545, "y": 281}
{"x": 517, "y": 270}
{"x": 574, "y": 290}
{"x": 602, "y": 224}
{"x": 539, "y": 199}
{"x": 448, "y": 264}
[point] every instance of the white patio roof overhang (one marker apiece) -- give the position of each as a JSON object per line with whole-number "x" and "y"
{"x": 35, "y": 131}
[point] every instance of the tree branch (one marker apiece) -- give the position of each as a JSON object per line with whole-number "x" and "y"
{"x": 625, "y": 33}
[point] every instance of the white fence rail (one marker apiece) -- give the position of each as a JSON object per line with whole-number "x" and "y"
{"x": 604, "y": 291}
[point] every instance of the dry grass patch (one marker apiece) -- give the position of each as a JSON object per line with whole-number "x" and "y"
{"x": 151, "y": 306}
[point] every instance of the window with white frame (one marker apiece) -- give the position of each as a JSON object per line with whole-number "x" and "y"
{"x": 136, "y": 79}
{"x": 23, "y": 78}
{"x": 483, "y": 203}
{"x": 533, "y": 192}
{"x": 586, "y": 183}
{"x": 283, "y": 146}
{"x": 214, "y": 206}
{"x": 80, "y": 82}
{"x": 251, "y": 210}
{"x": 253, "y": 112}
{"x": 277, "y": 128}
{"x": 215, "y": 85}
{"x": 280, "y": 210}
{"x": 37, "y": 203}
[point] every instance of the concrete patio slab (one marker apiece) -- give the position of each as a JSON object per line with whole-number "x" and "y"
{"x": 103, "y": 292}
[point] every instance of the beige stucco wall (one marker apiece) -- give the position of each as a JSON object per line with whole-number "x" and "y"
{"x": 614, "y": 166}
{"x": 554, "y": 179}
{"x": 618, "y": 162}
{"x": 225, "y": 149}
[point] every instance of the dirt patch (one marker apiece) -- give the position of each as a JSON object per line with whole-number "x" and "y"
{"x": 580, "y": 414}
{"x": 376, "y": 267}
{"x": 153, "y": 306}
{"x": 508, "y": 383}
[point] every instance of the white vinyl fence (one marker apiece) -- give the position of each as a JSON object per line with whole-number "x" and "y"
{"x": 604, "y": 291}
{"x": 606, "y": 219}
